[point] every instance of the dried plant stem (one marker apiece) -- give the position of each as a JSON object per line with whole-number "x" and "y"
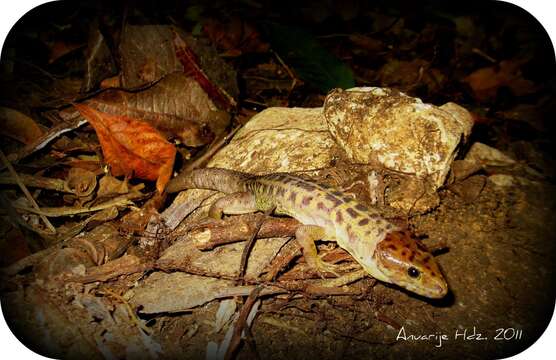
{"x": 250, "y": 243}
{"x": 26, "y": 192}
{"x": 241, "y": 323}
{"x": 129, "y": 310}
{"x": 37, "y": 182}
{"x": 288, "y": 70}
{"x": 123, "y": 201}
{"x": 240, "y": 228}
{"x": 213, "y": 148}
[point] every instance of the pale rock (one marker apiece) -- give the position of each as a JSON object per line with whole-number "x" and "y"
{"x": 387, "y": 128}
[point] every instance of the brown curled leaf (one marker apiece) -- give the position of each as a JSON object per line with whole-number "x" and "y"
{"x": 81, "y": 182}
{"x": 109, "y": 186}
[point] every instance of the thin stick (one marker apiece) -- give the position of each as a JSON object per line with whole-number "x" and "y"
{"x": 290, "y": 73}
{"x": 214, "y": 147}
{"x": 484, "y": 55}
{"x": 41, "y": 142}
{"x": 129, "y": 310}
{"x": 123, "y": 201}
{"x": 26, "y": 192}
{"x": 249, "y": 244}
{"x": 207, "y": 236}
{"x": 241, "y": 322}
{"x": 37, "y": 182}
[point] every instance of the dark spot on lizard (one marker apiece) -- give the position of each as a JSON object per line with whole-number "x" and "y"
{"x": 281, "y": 192}
{"x": 347, "y": 199}
{"x": 286, "y": 179}
{"x": 339, "y": 217}
{"x": 421, "y": 246}
{"x": 404, "y": 253}
{"x": 306, "y": 186}
{"x": 337, "y": 193}
{"x": 293, "y": 195}
{"x": 306, "y": 200}
{"x": 335, "y": 201}
{"x": 320, "y": 206}
{"x": 352, "y": 212}
{"x": 361, "y": 207}
{"x": 363, "y": 222}
{"x": 262, "y": 189}
{"x": 392, "y": 247}
{"x": 412, "y": 256}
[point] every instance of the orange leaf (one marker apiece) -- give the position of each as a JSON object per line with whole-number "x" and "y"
{"x": 132, "y": 147}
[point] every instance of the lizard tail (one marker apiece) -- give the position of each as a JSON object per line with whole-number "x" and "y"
{"x": 224, "y": 180}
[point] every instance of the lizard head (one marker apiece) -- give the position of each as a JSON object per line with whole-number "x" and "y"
{"x": 406, "y": 262}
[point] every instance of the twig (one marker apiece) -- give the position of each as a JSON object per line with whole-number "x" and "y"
{"x": 26, "y": 192}
{"x": 69, "y": 211}
{"x": 213, "y": 148}
{"x": 290, "y": 73}
{"x": 484, "y": 55}
{"x": 240, "y": 228}
{"x": 249, "y": 245}
{"x": 45, "y": 139}
{"x": 241, "y": 322}
{"x": 124, "y": 200}
{"x": 125, "y": 265}
{"x": 40, "y": 182}
{"x": 286, "y": 254}
{"x": 129, "y": 310}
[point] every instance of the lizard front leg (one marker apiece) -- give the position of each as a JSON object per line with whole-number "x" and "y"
{"x": 233, "y": 204}
{"x": 306, "y": 235}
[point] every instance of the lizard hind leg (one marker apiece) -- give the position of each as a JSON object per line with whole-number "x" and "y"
{"x": 233, "y": 204}
{"x": 306, "y": 235}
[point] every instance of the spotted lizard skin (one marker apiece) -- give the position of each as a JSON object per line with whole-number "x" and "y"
{"x": 384, "y": 250}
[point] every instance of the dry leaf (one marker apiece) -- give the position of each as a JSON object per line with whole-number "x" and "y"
{"x": 132, "y": 147}
{"x": 110, "y": 186}
{"x": 62, "y": 48}
{"x": 151, "y": 52}
{"x": 485, "y": 82}
{"x": 235, "y": 36}
{"x": 192, "y": 55}
{"x": 366, "y": 42}
{"x": 99, "y": 63}
{"x": 19, "y": 126}
{"x": 81, "y": 182}
{"x": 13, "y": 246}
{"x": 176, "y": 106}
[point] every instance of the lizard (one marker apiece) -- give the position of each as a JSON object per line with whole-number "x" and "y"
{"x": 387, "y": 252}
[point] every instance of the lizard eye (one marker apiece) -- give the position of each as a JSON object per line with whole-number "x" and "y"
{"x": 413, "y": 272}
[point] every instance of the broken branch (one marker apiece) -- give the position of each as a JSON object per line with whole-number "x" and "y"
{"x": 240, "y": 228}
{"x": 26, "y": 192}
